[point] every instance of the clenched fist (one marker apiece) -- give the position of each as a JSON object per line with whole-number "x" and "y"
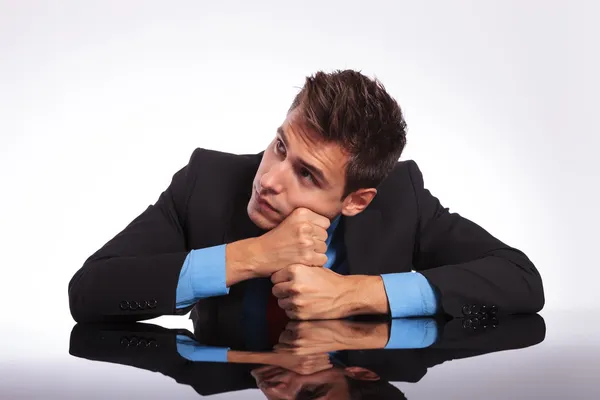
{"x": 298, "y": 239}
{"x": 312, "y": 293}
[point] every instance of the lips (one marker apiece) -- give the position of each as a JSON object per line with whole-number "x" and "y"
{"x": 264, "y": 202}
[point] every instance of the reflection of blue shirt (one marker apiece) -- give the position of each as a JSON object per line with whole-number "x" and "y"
{"x": 411, "y": 333}
{"x": 203, "y": 275}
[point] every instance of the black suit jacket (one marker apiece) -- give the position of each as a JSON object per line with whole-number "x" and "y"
{"x": 134, "y": 276}
{"x": 154, "y": 348}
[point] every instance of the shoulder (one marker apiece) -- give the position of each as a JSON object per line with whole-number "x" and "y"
{"x": 405, "y": 173}
{"x": 202, "y": 157}
{"x": 218, "y": 163}
{"x": 400, "y": 188}
{"x": 218, "y": 170}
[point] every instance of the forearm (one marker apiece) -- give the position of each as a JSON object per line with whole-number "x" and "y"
{"x": 468, "y": 266}
{"x": 240, "y": 261}
{"x": 122, "y": 289}
{"x": 365, "y": 295}
{"x": 511, "y": 284}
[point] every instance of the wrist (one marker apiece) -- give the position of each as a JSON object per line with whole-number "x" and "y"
{"x": 241, "y": 261}
{"x": 246, "y": 357}
{"x": 365, "y": 335}
{"x": 364, "y": 294}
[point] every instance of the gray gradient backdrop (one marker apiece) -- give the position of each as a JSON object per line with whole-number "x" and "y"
{"x": 101, "y": 102}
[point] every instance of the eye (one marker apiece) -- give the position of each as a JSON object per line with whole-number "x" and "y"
{"x": 279, "y": 146}
{"x": 307, "y": 175}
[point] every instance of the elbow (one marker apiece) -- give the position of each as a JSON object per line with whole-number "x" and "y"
{"x": 91, "y": 299}
{"x": 84, "y": 297}
{"x": 77, "y": 304}
{"x": 533, "y": 301}
{"x": 537, "y": 297}
{"x": 525, "y": 293}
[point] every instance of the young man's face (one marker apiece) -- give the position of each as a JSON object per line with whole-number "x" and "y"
{"x": 278, "y": 383}
{"x": 298, "y": 169}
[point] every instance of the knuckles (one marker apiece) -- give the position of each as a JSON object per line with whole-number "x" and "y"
{"x": 304, "y": 229}
{"x": 305, "y": 258}
{"x": 306, "y": 242}
{"x": 294, "y": 269}
{"x": 296, "y": 288}
{"x": 301, "y": 212}
{"x": 298, "y": 302}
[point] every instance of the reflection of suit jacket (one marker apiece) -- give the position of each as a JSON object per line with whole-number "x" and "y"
{"x": 134, "y": 275}
{"x": 153, "y": 348}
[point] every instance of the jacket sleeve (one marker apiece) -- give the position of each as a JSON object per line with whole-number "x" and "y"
{"x": 134, "y": 276}
{"x": 472, "y": 270}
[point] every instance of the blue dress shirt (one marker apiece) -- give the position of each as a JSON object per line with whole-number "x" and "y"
{"x": 203, "y": 275}
{"x": 411, "y": 333}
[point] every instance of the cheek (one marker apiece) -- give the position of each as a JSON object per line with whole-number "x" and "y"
{"x": 318, "y": 201}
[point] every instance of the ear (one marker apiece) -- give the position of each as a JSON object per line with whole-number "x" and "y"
{"x": 357, "y": 201}
{"x": 361, "y": 374}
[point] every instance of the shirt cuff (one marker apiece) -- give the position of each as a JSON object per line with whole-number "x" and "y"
{"x": 202, "y": 275}
{"x": 191, "y": 350}
{"x": 412, "y": 333}
{"x": 409, "y": 295}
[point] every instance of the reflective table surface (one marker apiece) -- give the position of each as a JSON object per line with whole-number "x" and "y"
{"x": 554, "y": 355}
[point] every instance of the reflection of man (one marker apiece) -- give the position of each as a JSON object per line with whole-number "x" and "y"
{"x": 339, "y": 382}
{"x": 306, "y": 362}
{"x": 328, "y": 192}
{"x": 333, "y": 337}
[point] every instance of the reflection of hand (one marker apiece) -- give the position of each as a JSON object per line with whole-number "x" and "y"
{"x": 301, "y": 364}
{"x": 310, "y": 337}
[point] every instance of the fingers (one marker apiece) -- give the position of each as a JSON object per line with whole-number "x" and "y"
{"x": 283, "y": 275}
{"x": 286, "y": 274}
{"x": 310, "y": 367}
{"x": 318, "y": 358}
{"x": 319, "y": 220}
{"x": 319, "y": 234}
{"x": 294, "y": 325}
{"x": 312, "y": 217}
{"x": 287, "y": 303}
{"x": 283, "y": 289}
{"x": 320, "y": 246}
{"x": 287, "y": 337}
{"x": 322, "y": 367}
{"x": 319, "y": 260}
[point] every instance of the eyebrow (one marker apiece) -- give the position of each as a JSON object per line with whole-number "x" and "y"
{"x": 316, "y": 171}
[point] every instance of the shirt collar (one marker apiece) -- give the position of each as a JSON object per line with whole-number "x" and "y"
{"x": 331, "y": 229}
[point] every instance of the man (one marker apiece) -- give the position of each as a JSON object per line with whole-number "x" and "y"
{"x": 338, "y": 382}
{"x": 326, "y": 215}
{"x": 314, "y": 359}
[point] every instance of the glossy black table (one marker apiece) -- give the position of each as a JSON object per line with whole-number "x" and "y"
{"x": 554, "y": 355}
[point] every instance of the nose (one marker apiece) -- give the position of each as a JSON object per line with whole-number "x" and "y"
{"x": 272, "y": 179}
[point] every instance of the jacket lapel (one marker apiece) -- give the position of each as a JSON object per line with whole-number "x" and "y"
{"x": 240, "y": 226}
{"x": 361, "y": 237}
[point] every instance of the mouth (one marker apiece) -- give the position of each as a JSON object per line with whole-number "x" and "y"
{"x": 264, "y": 204}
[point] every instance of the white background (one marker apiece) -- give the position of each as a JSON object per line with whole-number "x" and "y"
{"x": 101, "y": 102}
